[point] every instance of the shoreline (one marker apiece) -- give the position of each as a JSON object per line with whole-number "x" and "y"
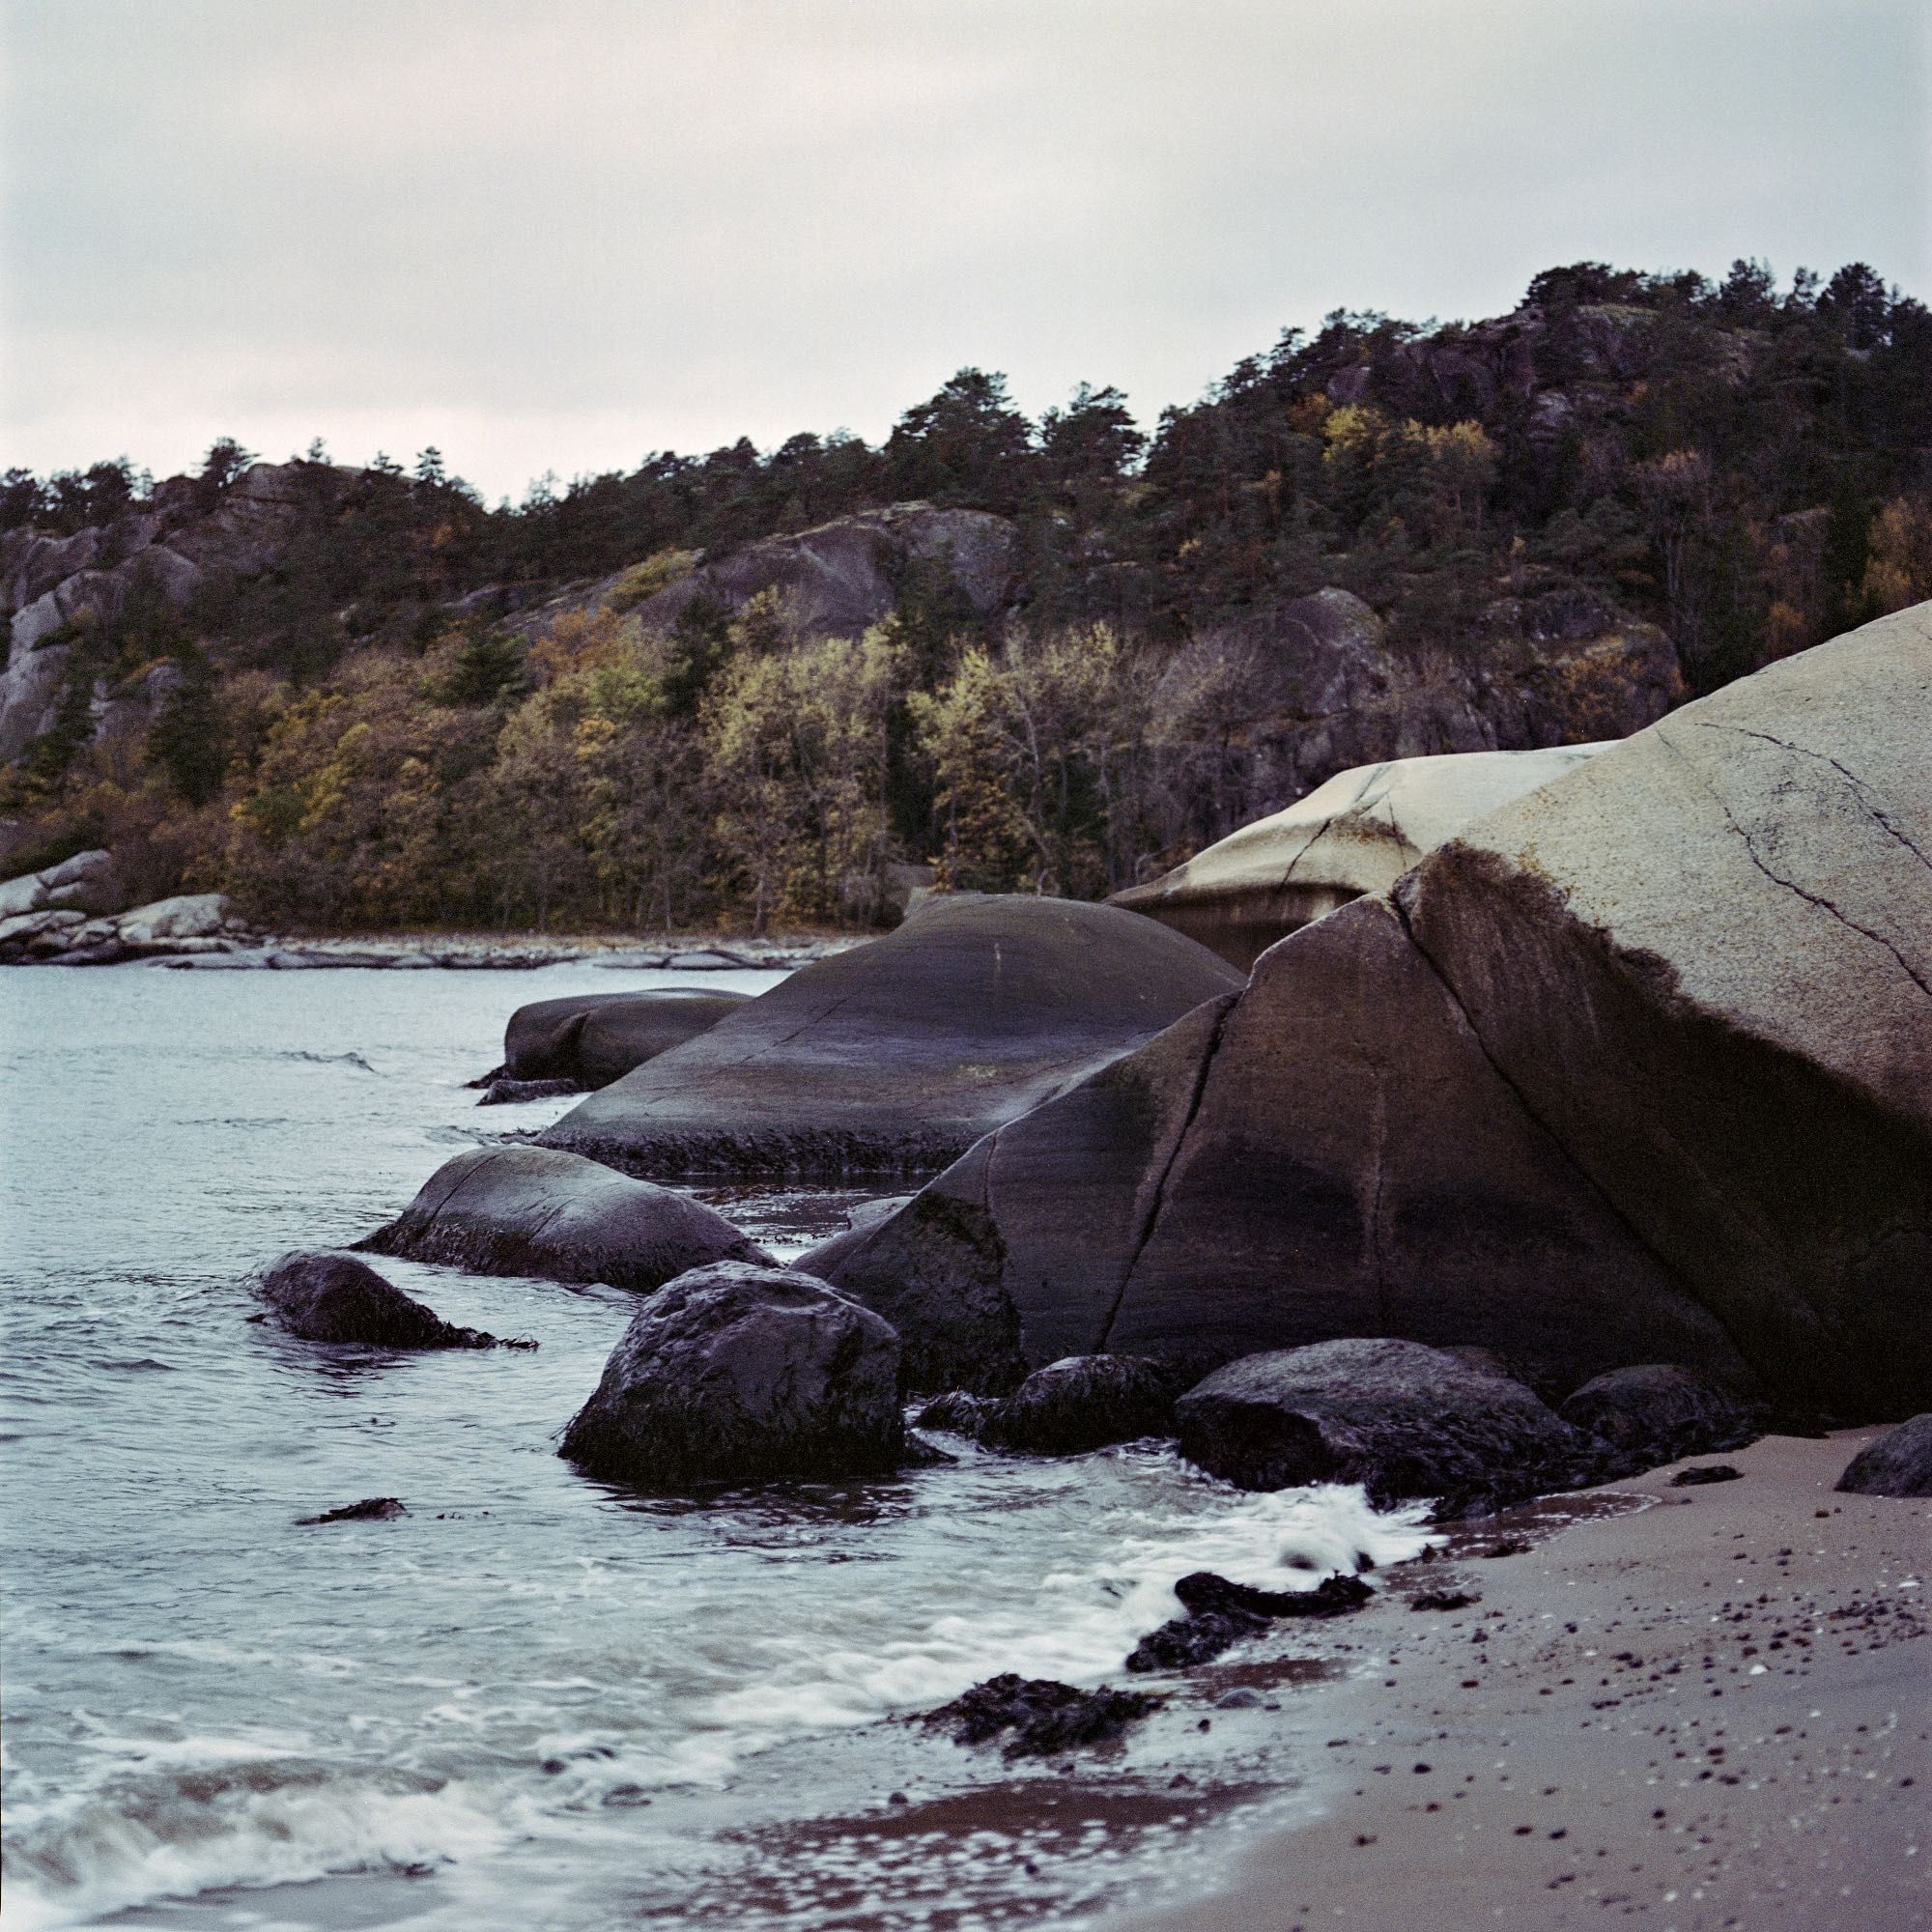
{"x": 405, "y": 952}
{"x": 1710, "y": 1714}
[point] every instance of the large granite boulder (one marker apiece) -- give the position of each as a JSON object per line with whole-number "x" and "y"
{"x": 743, "y": 1374}
{"x": 1356, "y": 834}
{"x": 186, "y": 916}
{"x": 894, "y": 1057}
{"x": 1899, "y": 1463}
{"x": 334, "y": 1297}
{"x": 594, "y": 1038}
{"x": 88, "y": 884}
{"x": 1400, "y": 1419}
{"x": 1637, "y": 1069}
{"x": 536, "y": 1211}
{"x": 1327, "y": 1153}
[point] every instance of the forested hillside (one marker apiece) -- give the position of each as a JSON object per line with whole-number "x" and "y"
{"x": 1051, "y": 655}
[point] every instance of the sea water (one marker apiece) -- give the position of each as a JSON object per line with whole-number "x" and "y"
{"x": 533, "y": 1701}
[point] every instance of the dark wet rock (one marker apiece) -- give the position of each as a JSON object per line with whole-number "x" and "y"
{"x": 538, "y": 1211}
{"x": 1899, "y": 1463}
{"x": 1709, "y": 1472}
{"x": 593, "y": 1039}
{"x": 1221, "y": 1613}
{"x": 334, "y": 1297}
{"x": 370, "y": 1509}
{"x": 1240, "y": 1698}
{"x": 1085, "y": 1401}
{"x": 1043, "y": 1716}
{"x": 958, "y": 1413}
{"x": 1636, "y": 1068}
{"x": 1656, "y": 1413}
{"x": 896, "y": 1056}
{"x": 508, "y": 1092}
{"x": 1444, "y": 1599}
{"x": 738, "y": 1373}
{"x": 1400, "y": 1419}
{"x": 920, "y": 1454}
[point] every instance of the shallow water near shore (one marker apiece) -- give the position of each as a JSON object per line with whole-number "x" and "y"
{"x": 531, "y": 1700}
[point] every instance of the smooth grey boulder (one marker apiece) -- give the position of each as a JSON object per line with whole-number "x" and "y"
{"x": 1899, "y": 1463}
{"x": 334, "y": 1297}
{"x": 89, "y": 883}
{"x": 187, "y": 915}
{"x": 1656, "y": 1412}
{"x": 1356, "y": 834}
{"x": 1638, "y": 1069}
{"x": 896, "y": 1056}
{"x": 736, "y": 1372}
{"x": 860, "y": 1221}
{"x": 1084, "y": 1402}
{"x": 594, "y": 1038}
{"x": 1400, "y": 1419}
{"x": 536, "y": 1211}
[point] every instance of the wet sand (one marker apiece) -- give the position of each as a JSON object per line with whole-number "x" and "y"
{"x": 1712, "y": 1714}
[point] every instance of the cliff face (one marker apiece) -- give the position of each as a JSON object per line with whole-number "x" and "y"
{"x": 53, "y": 588}
{"x": 1314, "y": 687}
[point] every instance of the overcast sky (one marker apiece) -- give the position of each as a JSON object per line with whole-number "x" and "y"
{"x": 552, "y": 237}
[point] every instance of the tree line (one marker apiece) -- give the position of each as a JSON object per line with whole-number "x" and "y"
{"x": 356, "y": 737}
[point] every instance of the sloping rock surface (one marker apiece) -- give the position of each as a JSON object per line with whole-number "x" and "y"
{"x": 894, "y": 1057}
{"x": 536, "y": 1211}
{"x": 743, "y": 1374}
{"x": 1656, "y": 1413}
{"x": 1638, "y": 1069}
{"x": 1356, "y": 834}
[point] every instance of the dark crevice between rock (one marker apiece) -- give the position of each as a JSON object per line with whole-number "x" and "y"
{"x": 1151, "y": 1220}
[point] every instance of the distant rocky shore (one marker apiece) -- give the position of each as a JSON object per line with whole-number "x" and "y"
{"x": 75, "y": 914}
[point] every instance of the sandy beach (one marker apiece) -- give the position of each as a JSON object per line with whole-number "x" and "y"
{"x": 1710, "y": 1714}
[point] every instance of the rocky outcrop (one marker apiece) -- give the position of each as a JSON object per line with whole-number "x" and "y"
{"x": 536, "y": 1211}
{"x": 834, "y": 580}
{"x": 1638, "y": 1069}
{"x": 53, "y": 590}
{"x": 593, "y": 1039}
{"x": 894, "y": 1057}
{"x": 1221, "y": 1614}
{"x": 1297, "y": 692}
{"x": 1899, "y": 1463}
{"x": 334, "y": 1297}
{"x": 1356, "y": 834}
{"x": 88, "y": 884}
{"x": 189, "y": 925}
{"x": 1656, "y": 1412}
{"x": 1400, "y": 1419}
{"x": 743, "y": 1374}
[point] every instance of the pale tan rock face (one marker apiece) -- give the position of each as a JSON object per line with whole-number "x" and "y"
{"x": 1705, "y": 962}
{"x": 1356, "y": 834}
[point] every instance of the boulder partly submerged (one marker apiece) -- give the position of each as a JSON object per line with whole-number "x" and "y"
{"x": 593, "y": 1039}
{"x": 538, "y": 1211}
{"x": 1637, "y": 1069}
{"x": 334, "y": 1297}
{"x": 1356, "y": 834}
{"x": 894, "y": 1057}
{"x": 1400, "y": 1419}
{"x": 743, "y": 1373}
